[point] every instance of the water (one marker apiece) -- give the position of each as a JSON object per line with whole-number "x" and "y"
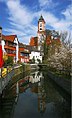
{"x": 35, "y": 96}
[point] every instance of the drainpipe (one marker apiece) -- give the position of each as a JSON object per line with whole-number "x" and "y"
{"x": 17, "y": 49}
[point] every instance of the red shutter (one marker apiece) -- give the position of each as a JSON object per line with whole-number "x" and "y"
{"x": 1, "y": 57}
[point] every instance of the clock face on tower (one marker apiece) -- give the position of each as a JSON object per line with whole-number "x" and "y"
{"x": 40, "y": 26}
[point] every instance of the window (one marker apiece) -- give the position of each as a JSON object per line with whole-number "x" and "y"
{"x": 40, "y": 25}
{"x": 40, "y": 29}
{"x": 0, "y": 34}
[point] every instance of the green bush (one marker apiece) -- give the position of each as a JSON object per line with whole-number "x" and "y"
{"x": 9, "y": 61}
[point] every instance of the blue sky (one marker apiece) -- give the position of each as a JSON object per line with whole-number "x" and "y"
{"x": 20, "y": 17}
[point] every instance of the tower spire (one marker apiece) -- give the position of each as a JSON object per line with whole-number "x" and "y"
{"x": 41, "y": 19}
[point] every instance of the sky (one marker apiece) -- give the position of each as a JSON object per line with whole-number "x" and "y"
{"x": 20, "y": 17}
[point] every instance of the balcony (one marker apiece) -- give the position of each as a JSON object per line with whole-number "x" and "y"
{"x": 10, "y": 47}
{"x": 12, "y": 55}
{"x": 25, "y": 57}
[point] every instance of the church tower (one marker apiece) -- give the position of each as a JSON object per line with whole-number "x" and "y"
{"x": 41, "y": 31}
{"x": 41, "y": 25}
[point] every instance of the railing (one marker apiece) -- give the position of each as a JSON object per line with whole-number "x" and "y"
{"x": 10, "y": 47}
{"x": 5, "y": 80}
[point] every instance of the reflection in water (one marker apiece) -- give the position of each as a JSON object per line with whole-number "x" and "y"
{"x": 35, "y": 77}
{"x": 35, "y": 96}
{"x": 41, "y": 97}
{"x": 17, "y": 92}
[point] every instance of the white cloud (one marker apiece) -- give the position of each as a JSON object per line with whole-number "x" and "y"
{"x": 19, "y": 13}
{"x": 68, "y": 13}
{"x": 21, "y": 19}
{"x": 64, "y": 24}
{"x": 13, "y": 31}
{"x": 50, "y": 18}
{"x": 58, "y": 24}
{"x": 23, "y": 37}
{"x": 47, "y": 4}
{"x": 53, "y": 21}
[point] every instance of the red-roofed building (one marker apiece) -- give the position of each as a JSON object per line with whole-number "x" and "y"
{"x": 12, "y": 47}
{"x": 44, "y": 34}
{"x": 51, "y": 37}
{"x": 33, "y": 41}
{"x": 23, "y": 53}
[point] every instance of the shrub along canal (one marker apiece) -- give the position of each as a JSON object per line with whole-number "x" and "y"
{"x": 34, "y": 96}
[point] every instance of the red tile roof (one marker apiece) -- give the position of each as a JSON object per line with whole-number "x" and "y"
{"x": 10, "y": 38}
{"x": 34, "y": 41}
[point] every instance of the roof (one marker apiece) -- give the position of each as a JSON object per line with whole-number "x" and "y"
{"x": 25, "y": 51}
{"x": 3, "y": 37}
{"x": 34, "y": 41}
{"x": 21, "y": 45}
{"x": 10, "y": 38}
{"x": 31, "y": 48}
{"x": 0, "y": 27}
{"x": 41, "y": 18}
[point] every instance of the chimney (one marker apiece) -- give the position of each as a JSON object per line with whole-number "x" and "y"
{"x": 0, "y": 34}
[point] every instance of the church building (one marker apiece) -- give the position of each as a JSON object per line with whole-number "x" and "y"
{"x": 44, "y": 35}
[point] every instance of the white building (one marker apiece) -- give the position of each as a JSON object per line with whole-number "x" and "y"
{"x": 36, "y": 55}
{"x": 9, "y": 45}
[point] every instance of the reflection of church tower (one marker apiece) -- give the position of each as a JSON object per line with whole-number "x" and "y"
{"x": 41, "y": 97}
{"x": 41, "y": 31}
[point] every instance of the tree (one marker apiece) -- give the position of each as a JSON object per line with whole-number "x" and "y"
{"x": 9, "y": 61}
{"x": 45, "y": 50}
{"x": 62, "y": 59}
{"x": 5, "y": 57}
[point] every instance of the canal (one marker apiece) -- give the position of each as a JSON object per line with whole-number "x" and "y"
{"x": 34, "y": 96}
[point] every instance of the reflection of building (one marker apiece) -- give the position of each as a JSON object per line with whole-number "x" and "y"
{"x": 39, "y": 89}
{"x": 35, "y": 77}
{"x": 20, "y": 86}
{"x": 41, "y": 97}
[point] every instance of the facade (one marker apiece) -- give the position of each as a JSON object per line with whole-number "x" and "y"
{"x": 33, "y": 53}
{"x": 23, "y": 54}
{"x": 33, "y": 41}
{"x": 36, "y": 55}
{"x": 11, "y": 47}
{"x": 43, "y": 34}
